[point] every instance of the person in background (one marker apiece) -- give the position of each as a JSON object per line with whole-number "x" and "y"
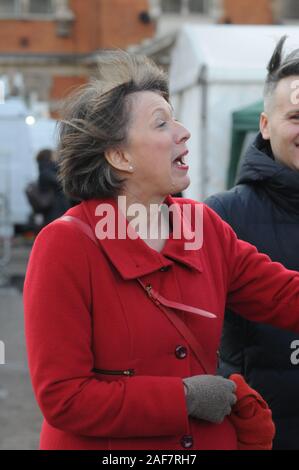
{"x": 263, "y": 209}
{"x": 49, "y": 184}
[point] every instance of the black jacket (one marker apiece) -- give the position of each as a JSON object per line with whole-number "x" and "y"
{"x": 263, "y": 209}
{"x": 48, "y": 181}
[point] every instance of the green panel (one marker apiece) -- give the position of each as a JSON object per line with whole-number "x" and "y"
{"x": 244, "y": 120}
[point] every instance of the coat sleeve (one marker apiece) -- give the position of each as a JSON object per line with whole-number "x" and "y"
{"x": 215, "y": 203}
{"x": 233, "y": 340}
{"x": 258, "y": 289}
{"x": 58, "y": 326}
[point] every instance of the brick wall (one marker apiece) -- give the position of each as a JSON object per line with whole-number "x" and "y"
{"x": 118, "y": 30}
{"x": 62, "y": 85}
{"x": 98, "y": 24}
{"x": 18, "y": 36}
{"x": 248, "y": 11}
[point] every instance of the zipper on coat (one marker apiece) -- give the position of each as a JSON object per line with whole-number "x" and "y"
{"x": 128, "y": 372}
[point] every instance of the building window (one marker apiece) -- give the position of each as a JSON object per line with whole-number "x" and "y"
{"x": 171, "y": 6}
{"x": 20, "y": 8}
{"x": 183, "y": 6}
{"x": 8, "y": 7}
{"x": 41, "y": 7}
{"x": 290, "y": 9}
{"x": 197, "y": 6}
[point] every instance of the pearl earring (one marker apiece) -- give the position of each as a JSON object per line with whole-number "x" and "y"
{"x": 130, "y": 168}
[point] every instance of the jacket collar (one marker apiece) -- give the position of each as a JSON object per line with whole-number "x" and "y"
{"x": 134, "y": 258}
{"x": 280, "y": 182}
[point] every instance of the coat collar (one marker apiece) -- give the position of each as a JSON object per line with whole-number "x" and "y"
{"x": 134, "y": 258}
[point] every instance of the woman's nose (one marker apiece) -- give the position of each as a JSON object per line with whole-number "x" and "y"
{"x": 182, "y": 133}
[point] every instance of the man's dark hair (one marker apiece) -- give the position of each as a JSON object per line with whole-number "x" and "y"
{"x": 97, "y": 118}
{"x": 280, "y": 67}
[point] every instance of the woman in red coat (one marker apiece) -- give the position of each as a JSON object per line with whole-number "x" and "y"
{"x": 123, "y": 314}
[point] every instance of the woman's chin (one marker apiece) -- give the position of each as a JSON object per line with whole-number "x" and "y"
{"x": 181, "y": 185}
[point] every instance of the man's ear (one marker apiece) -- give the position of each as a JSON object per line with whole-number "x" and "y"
{"x": 264, "y": 126}
{"x": 118, "y": 159}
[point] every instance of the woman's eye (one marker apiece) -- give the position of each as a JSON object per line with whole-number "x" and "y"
{"x": 162, "y": 124}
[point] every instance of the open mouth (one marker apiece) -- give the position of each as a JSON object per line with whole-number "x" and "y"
{"x": 180, "y": 161}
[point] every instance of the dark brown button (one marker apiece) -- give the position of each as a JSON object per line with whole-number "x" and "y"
{"x": 187, "y": 442}
{"x": 181, "y": 352}
{"x": 164, "y": 269}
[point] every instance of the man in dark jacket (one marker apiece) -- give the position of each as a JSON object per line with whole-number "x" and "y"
{"x": 263, "y": 209}
{"x": 48, "y": 182}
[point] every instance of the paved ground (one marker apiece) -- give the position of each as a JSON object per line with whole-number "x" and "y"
{"x": 20, "y": 418}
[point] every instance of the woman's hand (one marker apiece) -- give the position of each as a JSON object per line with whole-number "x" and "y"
{"x": 209, "y": 397}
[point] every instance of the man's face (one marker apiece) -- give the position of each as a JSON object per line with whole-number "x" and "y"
{"x": 280, "y": 122}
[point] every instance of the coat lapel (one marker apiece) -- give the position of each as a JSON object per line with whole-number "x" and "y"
{"x": 133, "y": 257}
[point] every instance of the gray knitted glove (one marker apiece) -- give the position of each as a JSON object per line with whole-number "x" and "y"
{"x": 209, "y": 397}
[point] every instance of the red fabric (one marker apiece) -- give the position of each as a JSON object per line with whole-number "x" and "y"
{"x": 251, "y": 417}
{"x": 84, "y": 309}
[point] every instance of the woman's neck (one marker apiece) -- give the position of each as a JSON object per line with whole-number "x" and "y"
{"x": 149, "y": 219}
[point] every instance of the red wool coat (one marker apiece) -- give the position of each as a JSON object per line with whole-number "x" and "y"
{"x": 106, "y": 364}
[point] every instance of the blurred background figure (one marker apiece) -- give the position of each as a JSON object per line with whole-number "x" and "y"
{"x": 48, "y": 183}
{"x": 45, "y": 196}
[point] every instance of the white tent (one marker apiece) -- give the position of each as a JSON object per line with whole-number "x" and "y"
{"x": 215, "y": 70}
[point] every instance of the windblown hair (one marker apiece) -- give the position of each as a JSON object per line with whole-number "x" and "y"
{"x": 97, "y": 118}
{"x": 280, "y": 67}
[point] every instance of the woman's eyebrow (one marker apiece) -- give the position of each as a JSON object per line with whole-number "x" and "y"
{"x": 164, "y": 110}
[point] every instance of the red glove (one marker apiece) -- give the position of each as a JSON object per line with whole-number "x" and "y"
{"x": 251, "y": 417}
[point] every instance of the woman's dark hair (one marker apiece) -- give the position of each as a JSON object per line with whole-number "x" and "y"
{"x": 96, "y": 118}
{"x": 279, "y": 68}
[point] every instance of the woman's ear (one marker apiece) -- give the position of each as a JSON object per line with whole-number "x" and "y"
{"x": 119, "y": 159}
{"x": 264, "y": 126}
